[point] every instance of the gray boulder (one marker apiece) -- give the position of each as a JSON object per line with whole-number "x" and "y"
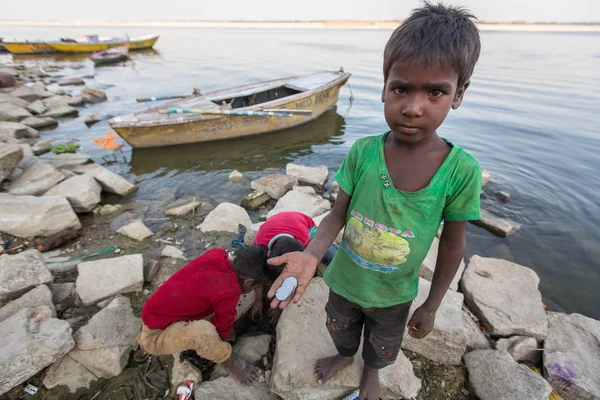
{"x": 102, "y": 279}
{"x": 306, "y": 189}
{"x": 135, "y": 230}
{"x": 227, "y": 389}
{"x": 302, "y": 339}
{"x": 521, "y": 348}
{"x": 37, "y": 107}
{"x": 62, "y": 291}
{"x": 237, "y": 177}
{"x": 12, "y": 113}
{"x": 31, "y": 340}
{"x": 42, "y": 147}
{"x": 476, "y": 339}
{"x": 255, "y": 200}
{"x": 20, "y": 273}
{"x": 572, "y": 356}
{"x": 17, "y": 130}
{"x": 57, "y": 102}
{"x": 25, "y": 93}
{"x": 27, "y": 216}
{"x": 299, "y": 201}
{"x": 40, "y": 122}
{"x": 93, "y": 96}
{"x": 10, "y": 156}
{"x": 61, "y": 112}
{"x": 250, "y": 348}
{"x": 428, "y": 265}
{"x": 183, "y": 207}
{"x": 494, "y": 375}
{"x": 275, "y": 185}
{"x": 311, "y": 175}
{"x": 110, "y": 181}
{"x": 39, "y": 296}
{"x": 173, "y": 252}
{"x": 82, "y": 191}
{"x": 498, "y": 226}
{"x": 447, "y": 342}
{"x": 226, "y": 217}
{"x": 36, "y": 180}
{"x": 505, "y": 297}
{"x": 70, "y": 160}
{"x": 486, "y": 176}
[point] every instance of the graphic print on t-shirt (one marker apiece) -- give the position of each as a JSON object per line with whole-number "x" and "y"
{"x": 375, "y": 246}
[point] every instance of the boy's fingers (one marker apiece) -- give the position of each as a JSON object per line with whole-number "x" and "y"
{"x": 275, "y": 304}
{"x": 299, "y": 292}
{"x": 278, "y": 282}
{"x": 283, "y": 259}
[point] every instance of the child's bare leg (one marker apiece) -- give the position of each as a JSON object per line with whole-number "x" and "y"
{"x": 326, "y": 368}
{"x": 242, "y": 371}
{"x": 369, "y": 384}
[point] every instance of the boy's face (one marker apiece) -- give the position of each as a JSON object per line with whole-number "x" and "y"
{"x": 418, "y": 98}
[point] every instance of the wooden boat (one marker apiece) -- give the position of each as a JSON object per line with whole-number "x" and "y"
{"x": 93, "y": 43}
{"x": 151, "y": 128}
{"x": 2, "y": 48}
{"x": 110, "y": 56}
{"x": 27, "y": 47}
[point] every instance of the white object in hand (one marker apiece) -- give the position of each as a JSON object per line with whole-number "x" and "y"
{"x": 286, "y": 289}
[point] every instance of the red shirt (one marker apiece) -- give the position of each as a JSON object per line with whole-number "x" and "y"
{"x": 207, "y": 284}
{"x": 294, "y": 223}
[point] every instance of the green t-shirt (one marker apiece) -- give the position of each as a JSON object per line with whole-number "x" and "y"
{"x": 388, "y": 231}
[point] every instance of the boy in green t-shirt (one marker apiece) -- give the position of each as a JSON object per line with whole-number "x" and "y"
{"x": 396, "y": 188}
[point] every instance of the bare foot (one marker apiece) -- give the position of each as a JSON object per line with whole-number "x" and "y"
{"x": 242, "y": 371}
{"x": 369, "y": 384}
{"x": 326, "y": 368}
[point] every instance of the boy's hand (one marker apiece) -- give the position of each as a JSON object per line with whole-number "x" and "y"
{"x": 302, "y": 266}
{"x": 421, "y": 323}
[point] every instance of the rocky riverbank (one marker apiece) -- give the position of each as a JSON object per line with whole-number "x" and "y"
{"x": 79, "y": 261}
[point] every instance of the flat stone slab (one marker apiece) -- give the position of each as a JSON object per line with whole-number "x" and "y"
{"x": 38, "y": 296}
{"x": 428, "y": 266}
{"x": 28, "y": 216}
{"x": 255, "y": 200}
{"x": 227, "y": 389}
{"x": 494, "y": 375}
{"x": 17, "y": 130}
{"x": 275, "y": 185}
{"x": 498, "y": 226}
{"x": 40, "y": 122}
{"x": 110, "y": 181}
{"x": 312, "y": 175}
{"x": 447, "y": 342}
{"x": 21, "y": 273}
{"x": 82, "y": 191}
{"x": 25, "y": 93}
{"x": 93, "y": 96}
{"x": 70, "y": 160}
{"x": 302, "y": 339}
{"x": 505, "y": 297}
{"x": 306, "y": 189}
{"x": 36, "y": 107}
{"x": 42, "y": 147}
{"x": 136, "y": 230}
{"x": 31, "y": 340}
{"x": 226, "y": 217}
{"x": 572, "y": 356}
{"x": 183, "y": 207}
{"x": 36, "y": 180}
{"x": 101, "y": 279}
{"x": 173, "y": 252}
{"x": 250, "y": 348}
{"x": 61, "y": 112}
{"x": 12, "y": 113}
{"x": 299, "y": 201}
{"x": 10, "y": 156}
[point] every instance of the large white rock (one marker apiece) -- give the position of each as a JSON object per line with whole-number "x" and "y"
{"x": 505, "y": 297}
{"x": 82, "y": 191}
{"x": 173, "y": 252}
{"x": 312, "y": 175}
{"x": 237, "y": 177}
{"x": 447, "y": 342}
{"x": 39, "y": 296}
{"x": 10, "y": 156}
{"x": 494, "y": 375}
{"x": 250, "y": 348}
{"x": 27, "y": 216}
{"x": 302, "y": 339}
{"x": 428, "y": 265}
{"x": 299, "y": 201}
{"x": 227, "y": 389}
{"x": 12, "y": 113}
{"x": 20, "y": 273}
{"x": 498, "y": 226}
{"x": 40, "y": 122}
{"x": 306, "y": 189}
{"x": 102, "y": 347}
{"x": 101, "y": 279}
{"x": 31, "y": 340}
{"x": 226, "y": 217}
{"x": 36, "y": 180}
{"x": 61, "y": 112}
{"x": 275, "y": 185}
{"x": 110, "y": 181}
{"x": 521, "y": 348}
{"x": 135, "y": 230}
{"x": 17, "y": 130}
{"x": 476, "y": 339}
{"x": 572, "y": 356}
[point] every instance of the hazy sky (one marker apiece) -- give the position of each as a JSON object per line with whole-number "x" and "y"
{"x": 486, "y": 10}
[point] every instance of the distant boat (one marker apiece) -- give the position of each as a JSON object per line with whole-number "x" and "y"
{"x": 2, "y": 48}
{"x": 28, "y": 47}
{"x": 92, "y": 43}
{"x": 111, "y": 56}
{"x": 185, "y": 121}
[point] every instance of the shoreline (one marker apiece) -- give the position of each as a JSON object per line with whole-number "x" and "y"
{"x": 370, "y": 25}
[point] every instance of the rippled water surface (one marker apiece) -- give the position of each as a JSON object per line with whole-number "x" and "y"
{"x": 531, "y": 117}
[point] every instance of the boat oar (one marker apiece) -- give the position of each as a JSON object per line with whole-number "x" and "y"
{"x": 272, "y": 113}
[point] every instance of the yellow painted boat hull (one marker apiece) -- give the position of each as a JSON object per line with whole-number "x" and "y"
{"x": 90, "y": 47}
{"x": 231, "y": 126}
{"x": 28, "y": 47}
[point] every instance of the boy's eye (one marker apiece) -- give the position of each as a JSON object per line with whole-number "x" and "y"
{"x": 399, "y": 91}
{"x": 436, "y": 93}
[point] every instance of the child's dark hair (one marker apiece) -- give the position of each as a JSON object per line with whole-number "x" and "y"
{"x": 436, "y": 33}
{"x": 252, "y": 260}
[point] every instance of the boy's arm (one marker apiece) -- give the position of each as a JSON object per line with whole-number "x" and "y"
{"x": 450, "y": 254}
{"x": 302, "y": 265}
{"x": 224, "y": 316}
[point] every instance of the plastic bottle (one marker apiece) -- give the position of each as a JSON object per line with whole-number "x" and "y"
{"x": 352, "y": 396}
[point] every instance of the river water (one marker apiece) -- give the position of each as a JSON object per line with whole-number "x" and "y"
{"x": 531, "y": 117}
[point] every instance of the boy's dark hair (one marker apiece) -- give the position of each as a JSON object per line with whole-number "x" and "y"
{"x": 252, "y": 262}
{"x": 282, "y": 245}
{"x": 436, "y": 33}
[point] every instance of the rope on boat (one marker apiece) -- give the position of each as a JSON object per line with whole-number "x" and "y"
{"x": 271, "y": 113}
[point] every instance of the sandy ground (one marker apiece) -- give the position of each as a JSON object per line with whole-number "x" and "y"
{"x": 542, "y": 27}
